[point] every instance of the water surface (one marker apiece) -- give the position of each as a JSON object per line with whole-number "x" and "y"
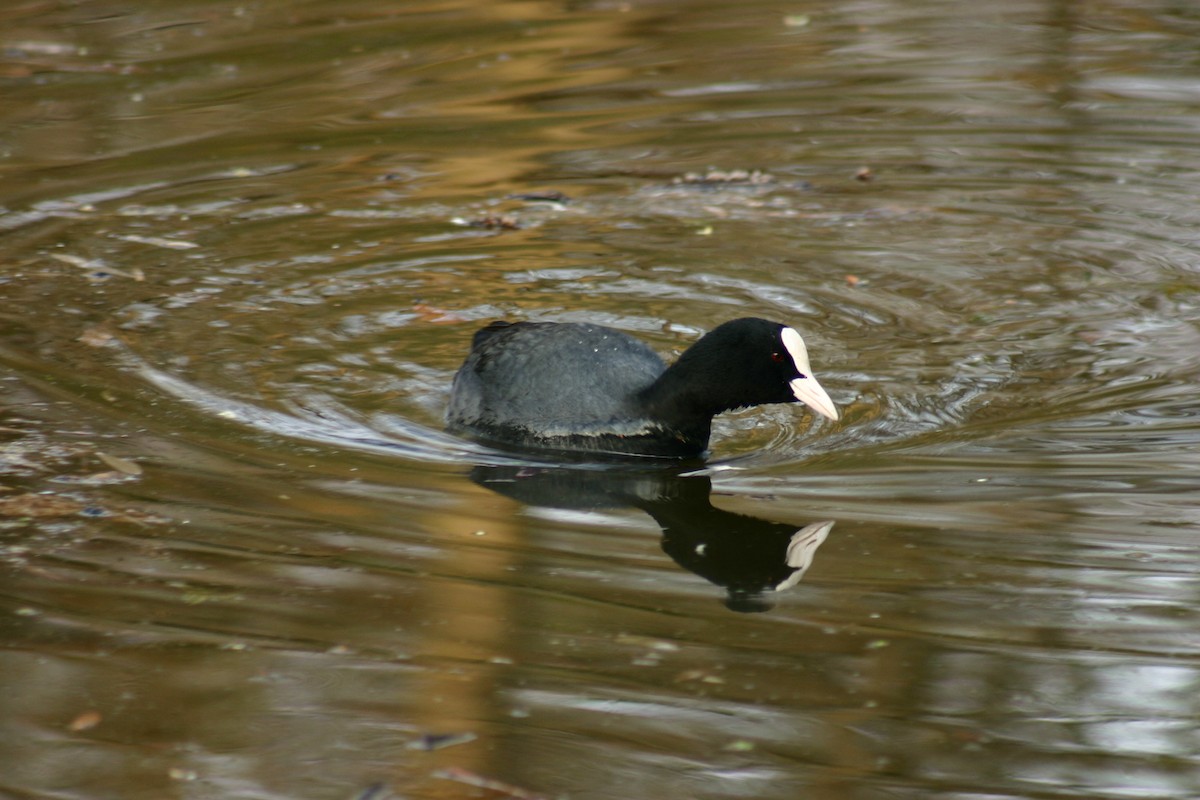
{"x": 246, "y": 247}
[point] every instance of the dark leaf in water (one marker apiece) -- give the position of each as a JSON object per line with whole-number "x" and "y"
{"x": 376, "y": 791}
{"x": 552, "y": 196}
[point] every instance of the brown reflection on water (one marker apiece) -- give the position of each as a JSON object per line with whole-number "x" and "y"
{"x": 237, "y": 253}
{"x": 471, "y": 627}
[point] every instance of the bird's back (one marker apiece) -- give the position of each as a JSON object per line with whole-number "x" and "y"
{"x": 552, "y": 380}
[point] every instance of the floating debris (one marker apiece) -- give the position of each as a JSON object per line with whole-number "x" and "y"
{"x": 436, "y": 315}
{"x": 47, "y": 506}
{"x": 438, "y": 741}
{"x": 33, "y": 47}
{"x": 39, "y": 505}
{"x": 737, "y": 177}
{"x": 96, "y": 337}
{"x": 77, "y": 261}
{"x": 106, "y": 478}
{"x": 122, "y": 465}
{"x": 496, "y": 222}
{"x": 376, "y": 791}
{"x": 693, "y": 675}
{"x": 157, "y": 241}
{"x": 552, "y": 196}
{"x": 85, "y": 721}
{"x": 649, "y": 642}
{"x": 739, "y": 746}
{"x": 96, "y": 270}
{"x": 864, "y": 174}
{"x": 481, "y": 782}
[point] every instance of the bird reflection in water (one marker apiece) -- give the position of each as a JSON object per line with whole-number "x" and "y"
{"x": 750, "y": 558}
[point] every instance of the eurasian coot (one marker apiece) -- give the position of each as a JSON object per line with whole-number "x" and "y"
{"x": 580, "y": 387}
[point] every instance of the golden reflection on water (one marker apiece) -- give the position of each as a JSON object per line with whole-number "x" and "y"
{"x": 246, "y": 246}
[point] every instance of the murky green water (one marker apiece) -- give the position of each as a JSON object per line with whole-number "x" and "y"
{"x": 245, "y": 247}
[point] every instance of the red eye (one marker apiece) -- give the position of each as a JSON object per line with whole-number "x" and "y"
{"x": 778, "y": 358}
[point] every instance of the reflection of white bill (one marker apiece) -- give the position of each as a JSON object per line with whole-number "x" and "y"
{"x": 801, "y": 550}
